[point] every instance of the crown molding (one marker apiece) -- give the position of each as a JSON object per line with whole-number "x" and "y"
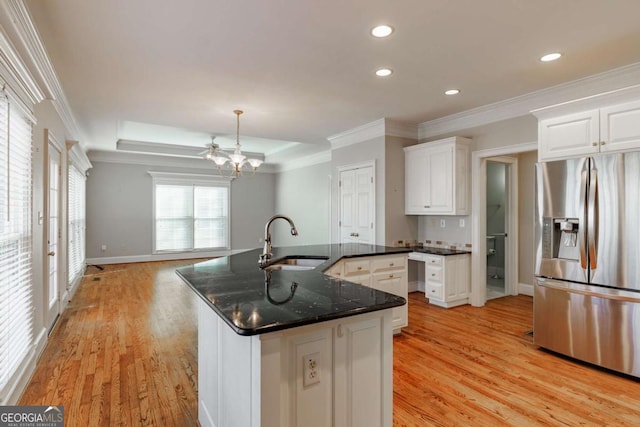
{"x": 305, "y": 161}
{"x": 522, "y": 105}
{"x": 356, "y": 135}
{"x": 77, "y": 156}
{"x": 401, "y": 130}
{"x": 379, "y": 128}
{"x": 22, "y": 23}
{"x": 17, "y": 75}
{"x": 174, "y": 149}
{"x": 618, "y": 96}
{"x": 130, "y": 158}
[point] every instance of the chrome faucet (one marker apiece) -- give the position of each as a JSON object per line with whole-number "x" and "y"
{"x": 266, "y": 253}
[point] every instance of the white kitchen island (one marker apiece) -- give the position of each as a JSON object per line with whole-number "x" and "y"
{"x": 301, "y": 350}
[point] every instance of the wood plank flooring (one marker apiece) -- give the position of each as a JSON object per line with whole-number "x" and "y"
{"x": 125, "y": 353}
{"x": 477, "y": 367}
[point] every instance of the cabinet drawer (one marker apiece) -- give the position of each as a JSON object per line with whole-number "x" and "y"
{"x": 361, "y": 280}
{"x": 357, "y": 267}
{"x": 433, "y": 274}
{"x": 393, "y": 283}
{"x": 434, "y": 291}
{"x": 384, "y": 264}
{"x": 336, "y": 270}
{"x": 434, "y": 260}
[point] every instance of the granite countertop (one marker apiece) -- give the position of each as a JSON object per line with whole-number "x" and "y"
{"x": 438, "y": 251}
{"x": 252, "y": 301}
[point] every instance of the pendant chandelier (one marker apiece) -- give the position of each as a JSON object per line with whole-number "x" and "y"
{"x": 237, "y": 160}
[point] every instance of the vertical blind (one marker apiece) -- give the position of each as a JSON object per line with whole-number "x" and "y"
{"x": 77, "y": 223}
{"x": 191, "y": 217}
{"x": 16, "y": 286}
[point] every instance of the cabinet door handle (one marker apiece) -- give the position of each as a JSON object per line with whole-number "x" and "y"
{"x": 359, "y": 268}
{"x": 602, "y": 142}
{"x": 391, "y": 276}
{"x": 595, "y": 143}
{"x": 391, "y": 265}
{"x": 340, "y": 333}
{"x": 433, "y": 274}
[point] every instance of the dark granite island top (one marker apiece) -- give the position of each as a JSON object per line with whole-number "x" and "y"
{"x": 252, "y": 301}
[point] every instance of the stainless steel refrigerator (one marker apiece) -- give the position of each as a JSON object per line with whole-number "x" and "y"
{"x": 587, "y": 237}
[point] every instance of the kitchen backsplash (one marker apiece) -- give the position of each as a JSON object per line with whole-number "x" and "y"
{"x": 432, "y": 244}
{"x": 445, "y": 231}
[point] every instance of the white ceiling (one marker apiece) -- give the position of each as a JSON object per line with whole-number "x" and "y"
{"x": 172, "y": 72}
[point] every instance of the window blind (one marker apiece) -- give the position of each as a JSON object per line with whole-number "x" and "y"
{"x": 77, "y": 223}
{"x": 191, "y": 217}
{"x": 16, "y": 283}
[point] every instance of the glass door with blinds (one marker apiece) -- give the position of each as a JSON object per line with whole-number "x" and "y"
{"x": 16, "y": 251}
{"x": 52, "y": 259}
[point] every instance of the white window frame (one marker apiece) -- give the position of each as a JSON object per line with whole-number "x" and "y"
{"x": 173, "y": 178}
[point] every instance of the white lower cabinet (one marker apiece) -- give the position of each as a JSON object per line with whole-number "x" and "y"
{"x": 447, "y": 278}
{"x": 335, "y": 373}
{"x": 386, "y": 273}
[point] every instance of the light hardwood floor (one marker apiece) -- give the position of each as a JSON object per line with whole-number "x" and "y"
{"x": 125, "y": 353}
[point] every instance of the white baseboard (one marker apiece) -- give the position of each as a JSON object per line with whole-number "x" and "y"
{"x": 525, "y": 289}
{"x": 24, "y": 376}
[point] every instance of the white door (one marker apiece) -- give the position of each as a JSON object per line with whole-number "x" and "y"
{"x": 52, "y": 258}
{"x": 357, "y": 205}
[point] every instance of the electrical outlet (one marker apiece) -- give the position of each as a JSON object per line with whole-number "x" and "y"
{"x": 103, "y": 247}
{"x": 311, "y": 369}
{"x": 461, "y": 222}
{"x": 443, "y": 223}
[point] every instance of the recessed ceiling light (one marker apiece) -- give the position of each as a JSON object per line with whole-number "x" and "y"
{"x": 550, "y": 57}
{"x": 384, "y": 72}
{"x": 452, "y": 92}
{"x": 381, "y": 31}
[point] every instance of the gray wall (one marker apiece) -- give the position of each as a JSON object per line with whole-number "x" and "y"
{"x": 119, "y": 208}
{"x": 304, "y": 195}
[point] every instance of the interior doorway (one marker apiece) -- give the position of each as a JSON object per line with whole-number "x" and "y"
{"x": 497, "y": 225}
{"x": 479, "y": 160}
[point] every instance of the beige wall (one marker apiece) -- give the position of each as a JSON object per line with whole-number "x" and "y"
{"x": 398, "y": 226}
{"x": 526, "y": 201}
{"x": 506, "y": 133}
{"x": 367, "y": 151}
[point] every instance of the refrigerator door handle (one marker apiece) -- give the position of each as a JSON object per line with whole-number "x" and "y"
{"x": 583, "y": 232}
{"x": 610, "y": 294}
{"x": 592, "y": 218}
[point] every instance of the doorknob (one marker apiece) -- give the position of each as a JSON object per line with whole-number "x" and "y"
{"x": 52, "y": 253}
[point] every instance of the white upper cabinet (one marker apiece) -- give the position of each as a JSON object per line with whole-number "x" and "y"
{"x": 597, "y": 128}
{"x": 437, "y": 177}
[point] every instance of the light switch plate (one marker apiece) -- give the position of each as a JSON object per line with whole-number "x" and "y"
{"x": 461, "y": 222}
{"x": 443, "y": 223}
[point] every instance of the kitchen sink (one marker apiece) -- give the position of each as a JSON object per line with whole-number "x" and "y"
{"x": 296, "y": 263}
